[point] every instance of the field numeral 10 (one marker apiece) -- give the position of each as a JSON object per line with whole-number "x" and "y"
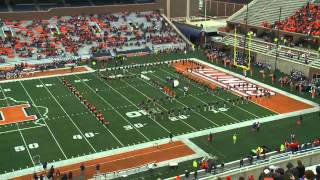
{"x": 23, "y": 148}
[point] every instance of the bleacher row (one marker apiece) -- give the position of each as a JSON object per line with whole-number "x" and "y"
{"x": 261, "y": 11}
{"x": 284, "y": 53}
{"x": 43, "y": 5}
{"x": 90, "y": 35}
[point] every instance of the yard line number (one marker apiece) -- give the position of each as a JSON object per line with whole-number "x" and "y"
{"x": 137, "y": 125}
{"x": 81, "y": 80}
{"x": 42, "y": 85}
{"x": 87, "y": 135}
{"x": 23, "y": 148}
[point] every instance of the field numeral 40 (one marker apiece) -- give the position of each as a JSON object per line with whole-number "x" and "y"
{"x": 87, "y": 135}
{"x": 23, "y": 148}
{"x": 130, "y": 127}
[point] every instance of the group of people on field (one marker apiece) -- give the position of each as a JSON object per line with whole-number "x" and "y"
{"x": 91, "y": 107}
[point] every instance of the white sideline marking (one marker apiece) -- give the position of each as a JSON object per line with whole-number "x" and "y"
{"x": 188, "y": 135}
{"x": 10, "y": 131}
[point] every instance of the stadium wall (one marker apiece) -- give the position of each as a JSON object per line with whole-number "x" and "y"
{"x": 284, "y": 65}
{"x": 222, "y": 9}
{"x": 178, "y": 9}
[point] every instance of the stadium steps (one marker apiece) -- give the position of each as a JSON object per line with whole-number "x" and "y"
{"x": 177, "y": 30}
{"x": 267, "y": 11}
{"x": 271, "y": 13}
{"x": 254, "y": 8}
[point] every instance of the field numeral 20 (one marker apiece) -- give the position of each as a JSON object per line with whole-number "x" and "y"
{"x": 30, "y": 146}
{"x": 137, "y": 125}
{"x": 87, "y": 135}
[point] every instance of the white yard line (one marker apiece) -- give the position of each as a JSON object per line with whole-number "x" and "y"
{"x": 187, "y": 106}
{"x": 65, "y": 156}
{"x": 193, "y": 128}
{"x": 21, "y": 129}
{"x": 105, "y": 126}
{"x": 24, "y": 141}
{"x": 132, "y": 102}
{"x": 221, "y": 112}
{"x": 217, "y": 96}
{"x": 113, "y": 108}
{"x": 162, "y": 141}
{"x": 25, "y": 144}
{"x": 68, "y": 116}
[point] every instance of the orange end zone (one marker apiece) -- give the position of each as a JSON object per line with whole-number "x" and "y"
{"x": 52, "y": 72}
{"x": 278, "y": 103}
{"x": 281, "y": 104}
{"x": 126, "y": 160}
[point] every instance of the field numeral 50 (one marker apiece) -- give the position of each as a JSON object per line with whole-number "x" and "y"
{"x": 23, "y": 148}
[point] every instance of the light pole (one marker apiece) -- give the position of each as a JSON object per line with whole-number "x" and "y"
{"x": 277, "y": 46}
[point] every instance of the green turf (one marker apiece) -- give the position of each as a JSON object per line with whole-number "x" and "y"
{"x": 272, "y": 134}
{"x": 68, "y": 118}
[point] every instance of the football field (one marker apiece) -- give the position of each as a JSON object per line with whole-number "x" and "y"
{"x": 65, "y": 128}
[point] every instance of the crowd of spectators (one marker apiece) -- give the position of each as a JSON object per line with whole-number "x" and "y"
{"x": 86, "y": 35}
{"x": 304, "y": 20}
{"x": 24, "y": 70}
{"x": 291, "y": 172}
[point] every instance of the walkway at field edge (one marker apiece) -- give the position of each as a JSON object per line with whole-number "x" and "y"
{"x": 126, "y": 160}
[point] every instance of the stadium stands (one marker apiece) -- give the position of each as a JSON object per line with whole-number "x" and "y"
{"x": 121, "y": 33}
{"x": 44, "y": 5}
{"x": 305, "y": 21}
{"x": 261, "y": 11}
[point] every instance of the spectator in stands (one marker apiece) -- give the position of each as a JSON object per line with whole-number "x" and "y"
{"x": 301, "y": 169}
{"x": 291, "y": 170}
{"x": 288, "y": 176}
{"x": 309, "y": 175}
{"x": 318, "y": 173}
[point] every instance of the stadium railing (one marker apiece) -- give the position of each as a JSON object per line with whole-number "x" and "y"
{"x": 272, "y": 158}
{"x": 125, "y": 172}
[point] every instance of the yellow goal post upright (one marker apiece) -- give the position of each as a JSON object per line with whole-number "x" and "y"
{"x": 235, "y": 63}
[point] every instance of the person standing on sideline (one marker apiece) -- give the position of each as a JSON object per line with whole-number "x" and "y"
{"x": 171, "y": 136}
{"x": 195, "y": 165}
{"x": 258, "y": 126}
{"x": 234, "y": 138}
{"x": 210, "y": 138}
